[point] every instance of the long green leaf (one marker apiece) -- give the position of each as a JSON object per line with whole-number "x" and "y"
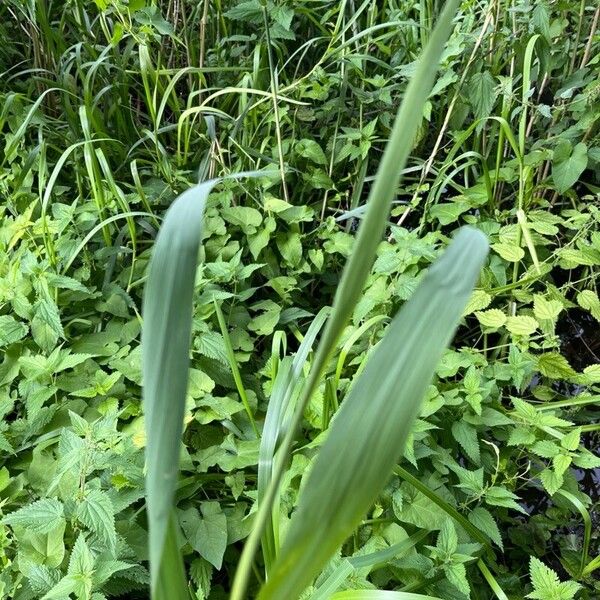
{"x": 368, "y": 434}
{"x": 167, "y": 312}
{"x": 359, "y": 264}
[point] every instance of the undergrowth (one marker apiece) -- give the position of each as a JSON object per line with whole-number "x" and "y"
{"x": 110, "y": 109}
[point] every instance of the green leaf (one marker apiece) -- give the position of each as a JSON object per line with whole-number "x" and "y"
{"x": 554, "y": 366}
{"x": 546, "y": 309}
{"x": 547, "y": 585}
{"x": 405, "y": 359}
{"x": 11, "y": 330}
{"x": 457, "y": 576}
{"x": 311, "y": 150}
{"x": 379, "y": 595}
{"x": 447, "y": 540}
{"x": 484, "y": 521}
{"x": 96, "y": 512}
{"x": 588, "y": 300}
{"x": 571, "y": 440}
{"x": 500, "y": 496}
{"x": 521, "y": 325}
{"x": 509, "y": 252}
{"x": 545, "y": 449}
{"x": 207, "y": 534}
{"x": 493, "y": 318}
{"x": 478, "y": 301}
{"x": 167, "y": 312}
{"x": 481, "y": 93}
{"x": 46, "y": 327}
{"x": 551, "y": 481}
{"x": 41, "y": 516}
{"x": 466, "y": 436}
{"x": 568, "y": 164}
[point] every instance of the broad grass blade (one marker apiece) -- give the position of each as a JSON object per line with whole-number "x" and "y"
{"x": 368, "y": 434}
{"x": 167, "y": 312}
{"x": 359, "y": 264}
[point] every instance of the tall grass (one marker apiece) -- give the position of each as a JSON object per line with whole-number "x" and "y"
{"x": 367, "y": 435}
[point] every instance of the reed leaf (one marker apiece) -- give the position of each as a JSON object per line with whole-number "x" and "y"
{"x": 167, "y": 313}
{"x": 356, "y": 271}
{"x": 368, "y": 434}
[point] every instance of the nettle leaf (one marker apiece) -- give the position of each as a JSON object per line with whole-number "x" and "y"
{"x": 551, "y": 480}
{"x": 466, "y": 436}
{"x": 568, "y": 164}
{"x": 554, "y": 366}
{"x": 46, "y": 327}
{"x": 96, "y": 512}
{"x": 41, "y": 516}
{"x": 457, "y": 576}
{"x": 481, "y": 92}
{"x": 478, "y": 301}
{"x": 571, "y": 440}
{"x": 547, "y": 585}
{"x": 447, "y": 540}
{"x": 588, "y": 300}
{"x": 485, "y": 522}
{"x": 545, "y": 449}
{"x": 11, "y": 330}
{"x": 509, "y": 252}
{"x": 546, "y": 309}
{"x": 500, "y": 496}
{"x": 521, "y": 325}
{"x": 493, "y": 318}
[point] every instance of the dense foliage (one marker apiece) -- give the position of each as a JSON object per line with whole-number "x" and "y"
{"x": 109, "y": 109}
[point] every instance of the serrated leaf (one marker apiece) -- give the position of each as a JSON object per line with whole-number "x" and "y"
{"x": 554, "y": 366}
{"x": 547, "y": 585}
{"x": 481, "y": 93}
{"x": 466, "y": 436}
{"x": 493, "y": 318}
{"x": 588, "y": 300}
{"x": 46, "y": 327}
{"x": 571, "y": 440}
{"x": 483, "y": 520}
{"x": 95, "y": 511}
{"x": 11, "y": 330}
{"x": 546, "y": 309}
{"x": 38, "y": 517}
{"x": 545, "y": 449}
{"x": 478, "y": 301}
{"x": 521, "y": 325}
{"x": 551, "y": 480}
{"x": 500, "y": 496}
{"x": 457, "y": 576}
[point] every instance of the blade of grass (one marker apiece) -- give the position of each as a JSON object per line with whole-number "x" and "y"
{"x": 348, "y": 565}
{"x": 234, "y": 368}
{"x": 165, "y": 360}
{"x": 359, "y": 264}
{"x": 368, "y": 434}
